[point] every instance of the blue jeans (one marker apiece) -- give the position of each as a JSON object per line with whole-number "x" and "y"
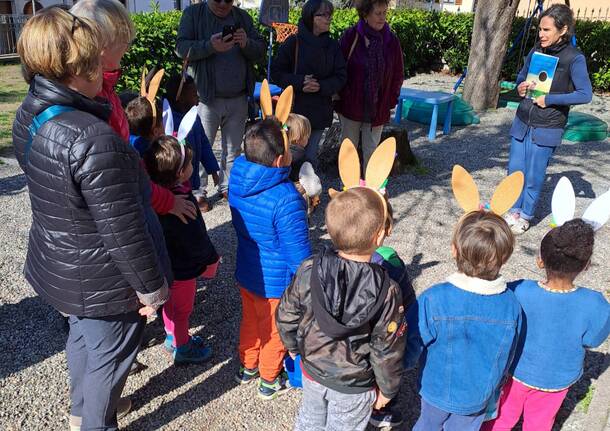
{"x": 433, "y": 419}
{"x": 532, "y": 160}
{"x": 100, "y": 352}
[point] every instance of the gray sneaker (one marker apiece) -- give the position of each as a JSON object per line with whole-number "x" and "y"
{"x": 520, "y": 226}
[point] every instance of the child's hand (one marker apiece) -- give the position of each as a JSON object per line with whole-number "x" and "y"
{"x": 540, "y": 101}
{"x": 381, "y": 401}
{"x": 183, "y": 208}
{"x": 147, "y": 310}
{"x": 215, "y": 178}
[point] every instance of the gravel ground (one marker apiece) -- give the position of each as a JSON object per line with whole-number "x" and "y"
{"x": 33, "y": 374}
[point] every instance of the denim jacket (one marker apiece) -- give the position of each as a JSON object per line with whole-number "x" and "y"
{"x": 464, "y": 333}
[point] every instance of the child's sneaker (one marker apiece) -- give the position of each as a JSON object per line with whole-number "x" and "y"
{"x": 271, "y": 390}
{"x": 168, "y": 344}
{"x": 191, "y": 353}
{"x": 521, "y": 226}
{"x": 385, "y": 418}
{"x": 246, "y": 375}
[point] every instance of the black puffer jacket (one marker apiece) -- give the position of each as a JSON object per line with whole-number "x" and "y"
{"x": 346, "y": 320}
{"x": 90, "y": 250}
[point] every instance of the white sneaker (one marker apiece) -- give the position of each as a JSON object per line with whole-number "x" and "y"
{"x": 520, "y": 226}
{"x": 511, "y": 218}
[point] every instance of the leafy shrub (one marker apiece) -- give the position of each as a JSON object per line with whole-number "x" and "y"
{"x": 427, "y": 39}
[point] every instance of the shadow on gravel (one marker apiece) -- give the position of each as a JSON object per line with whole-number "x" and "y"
{"x": 196, "y": 396}
{"x": 31, "y": 332}
{"x": 595, "y": 364}
{"x": 12, "y": 185}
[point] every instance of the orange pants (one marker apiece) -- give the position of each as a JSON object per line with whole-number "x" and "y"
{"x": 259, "y": 341}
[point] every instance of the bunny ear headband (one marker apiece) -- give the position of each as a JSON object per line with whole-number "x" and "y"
{"x": 563, "y": 205}
{"x": 187, "y": 123}
{"x": 466, "y": 191}
{"x": 150, "y": 91}
{"x": 377, "y": 170}
{"x": 282, "y": 109}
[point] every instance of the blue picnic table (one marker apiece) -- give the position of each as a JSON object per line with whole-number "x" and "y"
{"x": 434, "y": 98}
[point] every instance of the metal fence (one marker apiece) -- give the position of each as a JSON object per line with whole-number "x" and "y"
{"x": 10, "y": 29}
{"x": 586, "y": 14}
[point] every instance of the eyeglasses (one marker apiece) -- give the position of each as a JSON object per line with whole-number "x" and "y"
{"x": 226, "y": 1}
{"x": 75, "y": 19}
{"x": 324, "y": 15}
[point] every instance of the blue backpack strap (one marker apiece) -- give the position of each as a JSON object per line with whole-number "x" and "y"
{"x": 39, "y": 120}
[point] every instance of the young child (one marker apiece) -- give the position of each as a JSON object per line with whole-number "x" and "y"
{"x": 299, "y": 131}
{"x": 192, "y": 254}
{"x": 117, "y": 33}
{"x": 270, "y": 219}
{"x": 562, "y": 320}
{"x": 197, "y": 139}
{"x": 467, "y": 328}
{"x": 143, "y": 126}
{"x": 344, "y": 316}
{"x": 302, "y": 173}
{"x": 388, "y": 258}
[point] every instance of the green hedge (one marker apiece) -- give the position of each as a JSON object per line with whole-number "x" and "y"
{"x": 425, "y": 37}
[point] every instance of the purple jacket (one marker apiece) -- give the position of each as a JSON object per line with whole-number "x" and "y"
{"x": 351, "y": 104}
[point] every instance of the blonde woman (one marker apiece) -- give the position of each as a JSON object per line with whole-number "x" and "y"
{"x": 90, "y": 253}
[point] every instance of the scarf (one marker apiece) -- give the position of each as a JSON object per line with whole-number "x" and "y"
{"x": 375, "y": 63}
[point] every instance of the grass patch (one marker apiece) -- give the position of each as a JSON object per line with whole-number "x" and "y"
{"x": 12, "y": 91}
{"x": 584, "y": 404}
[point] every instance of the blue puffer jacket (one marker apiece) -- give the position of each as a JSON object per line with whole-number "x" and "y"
{"x": 270, "y": 219}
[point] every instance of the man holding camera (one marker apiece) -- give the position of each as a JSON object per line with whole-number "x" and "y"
{"x": 222, "y": 45}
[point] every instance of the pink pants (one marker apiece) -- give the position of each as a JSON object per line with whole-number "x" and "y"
{"x": 539, "y": 408}
{"x": 177, "y": 310}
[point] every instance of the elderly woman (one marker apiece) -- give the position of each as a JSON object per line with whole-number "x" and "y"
{"x": 91, "y": 250}
{"x": 374, "y": 76}
{"x": 538, "y": 126}
{"x": 313, "y": 64}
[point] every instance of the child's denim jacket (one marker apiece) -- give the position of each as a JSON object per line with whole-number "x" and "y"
{"x": 464, "y": 332}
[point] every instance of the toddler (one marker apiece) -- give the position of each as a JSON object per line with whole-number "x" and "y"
{"x": 344, "y": 315}
{"x": 191, "y": 252}
{"x": 197, "y": 139}
{"x": 270, "y": 220}
{"x": 466, "y": 327}
{"x": 562, "y": 320}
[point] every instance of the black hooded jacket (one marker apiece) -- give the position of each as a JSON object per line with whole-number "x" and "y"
{"x": 91, "y": 249}
{"x": 346, "y": 320}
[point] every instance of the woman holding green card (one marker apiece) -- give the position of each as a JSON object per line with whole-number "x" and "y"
{"x": 543, "y": 113}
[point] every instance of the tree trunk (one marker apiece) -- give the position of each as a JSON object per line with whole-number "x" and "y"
{"x": 492, "y": 24}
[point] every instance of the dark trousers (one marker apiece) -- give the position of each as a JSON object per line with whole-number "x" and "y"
{"x": 100, "y": 352}
{"x": 433, "y": 419}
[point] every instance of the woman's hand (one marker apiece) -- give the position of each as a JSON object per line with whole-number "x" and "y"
{"x": 310, "y": 84}
{"x": 183, "y": 208}
{"x": 540, "y": 101}
{"x": 524, "y": 86}
{"x": 147, "y": 311}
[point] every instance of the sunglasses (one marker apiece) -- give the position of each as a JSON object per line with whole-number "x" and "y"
{"x": 75, "y": 19}
{"x": 226, "y": 1}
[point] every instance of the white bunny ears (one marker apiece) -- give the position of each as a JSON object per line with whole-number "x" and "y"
{"x": 563, "y": 206}
{"x": 466, "y": 191}
{"x": 186, "y": 125}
